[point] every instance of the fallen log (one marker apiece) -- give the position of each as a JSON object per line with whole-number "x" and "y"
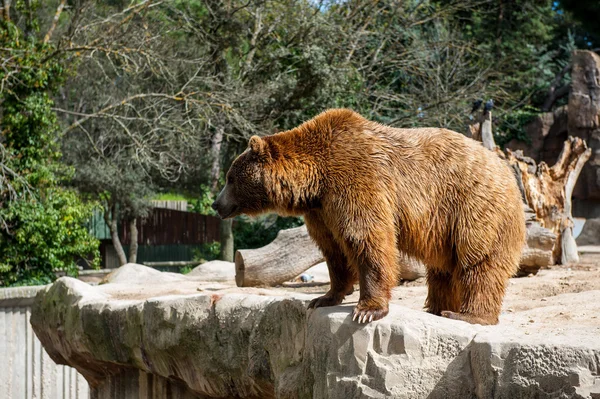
{"x": 291, "y": 253}
{"x": 537, "y": 252}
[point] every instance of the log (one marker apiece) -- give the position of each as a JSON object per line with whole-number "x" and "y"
{"x": 411, "y": 268}
{"x": 538, "y": 250}
{"x": 482, "y": 130}
{"x": 290, "y": 254}
{"x": 486, "y": 132}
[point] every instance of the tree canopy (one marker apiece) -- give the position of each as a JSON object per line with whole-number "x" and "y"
{"x": 148, "y": 96}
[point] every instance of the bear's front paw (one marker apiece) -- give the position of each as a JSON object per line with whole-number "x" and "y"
{"x": 367, "y": 314}
{"x": 325, "y": 300}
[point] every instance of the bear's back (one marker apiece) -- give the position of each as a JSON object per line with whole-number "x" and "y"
{"x": 449, "y": 189}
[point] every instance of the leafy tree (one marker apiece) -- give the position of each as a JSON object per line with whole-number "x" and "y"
{"x": 42, "y": 222}
{"x": 163, "y": 94}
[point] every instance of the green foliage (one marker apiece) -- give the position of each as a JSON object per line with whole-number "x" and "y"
{"x": 170, "y": 197}
{"x": 207, "y": 252}
{"x": 45, "y": 236}
{"x": 203, "y": 202}
{"x": 43, "y": 223}
{"x": 512, "y": 126}
{"x": 185, "y": 269}
{"x": 252, "y": 233}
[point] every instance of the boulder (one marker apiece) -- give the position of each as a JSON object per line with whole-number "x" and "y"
{"x": 216, "y": 270}
{"x": 584, "y": 117}
{"x": 173, "y": 340}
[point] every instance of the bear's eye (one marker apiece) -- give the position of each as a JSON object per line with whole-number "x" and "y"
{"x": 230, "y": 179}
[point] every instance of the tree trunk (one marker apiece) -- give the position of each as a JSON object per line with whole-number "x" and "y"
{"x": 486, "y": 132}
{"x": 568, "y": 245}
{"x": 291, "y": 253}
{"x": 226, "y": 226}
{"x": 548, "y": 192}
{"x": 226, "y": 230}
{"x": 111, "y": 218}
{"x": 538, "y": 252}
{"x": 133, "y": 240}
{"x": 215, "y": 153}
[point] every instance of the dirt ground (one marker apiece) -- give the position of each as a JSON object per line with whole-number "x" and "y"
{"x": 560, "y": 301}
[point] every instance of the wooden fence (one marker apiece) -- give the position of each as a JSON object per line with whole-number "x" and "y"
{"x": 169, "y": 227}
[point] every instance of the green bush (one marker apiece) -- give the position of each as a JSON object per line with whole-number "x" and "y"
{"x": 250, "y": 233}
{"x": 512, "y": 126}
{"x": 42, "y": 223}
{"x": 207, "y": 252}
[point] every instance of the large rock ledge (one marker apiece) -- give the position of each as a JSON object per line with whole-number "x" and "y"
{"x": 174, "y": 336}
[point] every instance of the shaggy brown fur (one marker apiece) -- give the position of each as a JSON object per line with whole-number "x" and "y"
{"x": 369, "y": 191}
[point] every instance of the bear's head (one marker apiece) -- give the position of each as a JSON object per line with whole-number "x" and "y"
{"x": 245, "y": 190}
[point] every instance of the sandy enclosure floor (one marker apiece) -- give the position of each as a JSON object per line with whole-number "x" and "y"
{"x": 561, "y": 301}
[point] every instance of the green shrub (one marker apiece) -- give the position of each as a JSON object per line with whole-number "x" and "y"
{"x": 512, "y": 126}
{"x": 42, "y": 227}
{"x": 250, "y": 233}
{"x": 207, "y": 252}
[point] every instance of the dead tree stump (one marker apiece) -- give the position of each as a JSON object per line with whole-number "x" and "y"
{"x": 548, "y": 190}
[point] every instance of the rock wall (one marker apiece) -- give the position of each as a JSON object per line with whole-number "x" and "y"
{"x": 177, "y": 337}
{"x": 584, "y": 117}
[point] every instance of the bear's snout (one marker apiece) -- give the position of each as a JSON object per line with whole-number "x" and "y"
{"x": 223, "y": 205}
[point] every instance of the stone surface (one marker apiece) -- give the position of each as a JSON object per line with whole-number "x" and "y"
{"x": 216, "y": 270}
{"x": 27, "y": 371}
{"x": 145, "y": 334}
{"x": 590, "y": 234}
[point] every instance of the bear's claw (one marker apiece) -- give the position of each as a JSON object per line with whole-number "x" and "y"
{"x": 368, "y": 315}
{"x": 323, "y": 301}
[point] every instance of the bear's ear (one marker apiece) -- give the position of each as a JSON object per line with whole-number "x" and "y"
{"x": 258, "y": 146}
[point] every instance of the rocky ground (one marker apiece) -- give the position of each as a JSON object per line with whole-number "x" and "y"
{"x": 143, "y": 331}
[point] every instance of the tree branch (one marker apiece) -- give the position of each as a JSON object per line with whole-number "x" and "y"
{"x": 59, "y": 10}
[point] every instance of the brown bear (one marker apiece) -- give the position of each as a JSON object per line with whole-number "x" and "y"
{"x": 370, "y": 192}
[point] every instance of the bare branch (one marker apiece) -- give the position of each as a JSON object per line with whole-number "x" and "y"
{"x": 59, "y": 10}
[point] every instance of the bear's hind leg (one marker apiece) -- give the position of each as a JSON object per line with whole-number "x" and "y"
{"x": 482, "y": 287}
{"x": 441, "y": 294}
{"x": 341, "y": 275}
